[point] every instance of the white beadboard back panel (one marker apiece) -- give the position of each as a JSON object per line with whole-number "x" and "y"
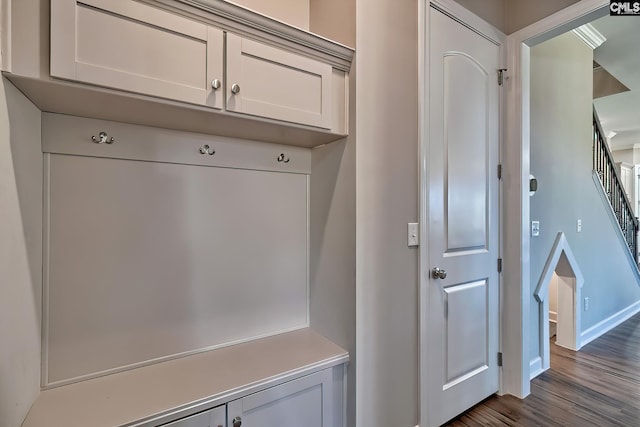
{"x": 148, "y": 260}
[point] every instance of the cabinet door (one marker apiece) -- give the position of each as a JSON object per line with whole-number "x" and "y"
{"x": 212, "y": 418}
{"x": 127, "y": 45}
{"x": 273, "y": 83}
{"x": 306, "y": 401}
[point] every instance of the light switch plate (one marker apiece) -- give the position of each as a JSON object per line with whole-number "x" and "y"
{"x": 579, "y": 225}
{"x": 535, "y": 228}
{"x": 413, "y": 239}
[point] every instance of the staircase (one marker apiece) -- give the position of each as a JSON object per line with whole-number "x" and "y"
{"x": 605, "y": 168}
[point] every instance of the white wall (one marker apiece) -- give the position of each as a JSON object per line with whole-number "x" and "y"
{"x": 20, "y": 254}
{"x": 332, "y": 278}
{"x": 561, "y": 159}
{"x": 334, "y": 19}
{"x": 293, "y": 12}
{"x": 626, "y": 155}
{"x": 386, "y": 200}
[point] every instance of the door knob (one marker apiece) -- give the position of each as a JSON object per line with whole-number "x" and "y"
{"x": 215, "y": 84}
{"x": 235, "y": 88}
{"x": 438, "y": 273}
{"x": 237, "y": 422}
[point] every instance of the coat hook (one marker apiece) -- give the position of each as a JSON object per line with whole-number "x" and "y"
{"x": 102, "y": 138}
{"x": 205, "y": 149}
{"x": 281, "y": 158}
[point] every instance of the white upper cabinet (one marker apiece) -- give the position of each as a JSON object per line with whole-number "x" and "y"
{"x": 270, "y": 82}
{"x": 127, "y": 45}
{"x": 206, "y": 66}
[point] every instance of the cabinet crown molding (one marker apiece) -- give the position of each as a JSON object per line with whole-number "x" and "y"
{"x": 240, "y": 20}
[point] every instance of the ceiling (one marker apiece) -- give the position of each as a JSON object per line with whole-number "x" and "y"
{"x": 620, "y": 56}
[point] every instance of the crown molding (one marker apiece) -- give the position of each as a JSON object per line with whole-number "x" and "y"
{"x": 589, "y": 35}
{"x": 245, "y": 22}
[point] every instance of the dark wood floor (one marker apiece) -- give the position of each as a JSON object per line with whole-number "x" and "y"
{"x": 597, "y": 386}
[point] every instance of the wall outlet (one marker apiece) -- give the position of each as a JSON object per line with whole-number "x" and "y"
{"x": 579, "y": 225}
{"x": 535, "y": 228}
{"x": 586, "y": 303}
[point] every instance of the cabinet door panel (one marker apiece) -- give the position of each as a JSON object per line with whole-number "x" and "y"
{"x": 306, "y": 402}
{"x": 131, "y": 46}
{"x": 277, "y": 84}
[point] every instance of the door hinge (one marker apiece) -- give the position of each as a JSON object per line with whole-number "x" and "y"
{"x": 499, "y": 265}
{"x": 501, "y": 76}
{"x": 500, "y": 358}
{"x": 500, "y": 171}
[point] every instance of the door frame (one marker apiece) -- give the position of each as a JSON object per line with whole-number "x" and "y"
{"x": 470, "y": 20}
{"x": 516, "y": 295}
{"x": 517, "y": 291}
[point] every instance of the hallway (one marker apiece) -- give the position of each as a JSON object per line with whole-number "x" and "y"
{"x": 597, "y": 386}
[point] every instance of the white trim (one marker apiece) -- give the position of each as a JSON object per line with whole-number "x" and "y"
{"x": 535, "y": 367}
{"x": 46, "y": 268}
{"x": 609, "y": 323}
{"x": 516, "y": 303}
{"x": 614, "y": 222}
{"x": 423, "y": 203}
{"x": 589, "y": 35}
{"x": 560, "y": 247}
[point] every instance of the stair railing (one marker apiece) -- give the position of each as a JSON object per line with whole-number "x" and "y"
{"x": 605, "y": 167}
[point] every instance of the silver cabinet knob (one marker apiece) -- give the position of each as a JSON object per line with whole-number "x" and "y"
{"x": 235, "y": 88}
{"x": 438, "y": 273}
{"x": 216, "y": 84}
{"x": 237, "y": 422}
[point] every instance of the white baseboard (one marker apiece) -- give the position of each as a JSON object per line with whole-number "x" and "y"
{"x": 609, "y": 323}
{"x": 535, "y": 367}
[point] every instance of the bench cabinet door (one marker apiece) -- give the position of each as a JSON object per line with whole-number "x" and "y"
{"x": 306, "y": 401}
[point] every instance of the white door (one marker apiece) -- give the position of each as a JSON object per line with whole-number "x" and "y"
{"x": 463, "y": 318}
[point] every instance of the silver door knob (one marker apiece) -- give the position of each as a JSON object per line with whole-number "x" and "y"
{"x": 216, "y": 84}
{"x": 235, "y": 88}
{"x": 237, "y": 422}
{"x": 438, "y": 273}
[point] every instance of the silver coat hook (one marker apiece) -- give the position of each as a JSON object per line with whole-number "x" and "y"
{"x": 102, "y": 138}
{"x": 205, "y": 149}
{"x": 281, "y": 158}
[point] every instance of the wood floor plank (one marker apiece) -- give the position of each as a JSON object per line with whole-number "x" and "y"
{"x": 596, "y": 386}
